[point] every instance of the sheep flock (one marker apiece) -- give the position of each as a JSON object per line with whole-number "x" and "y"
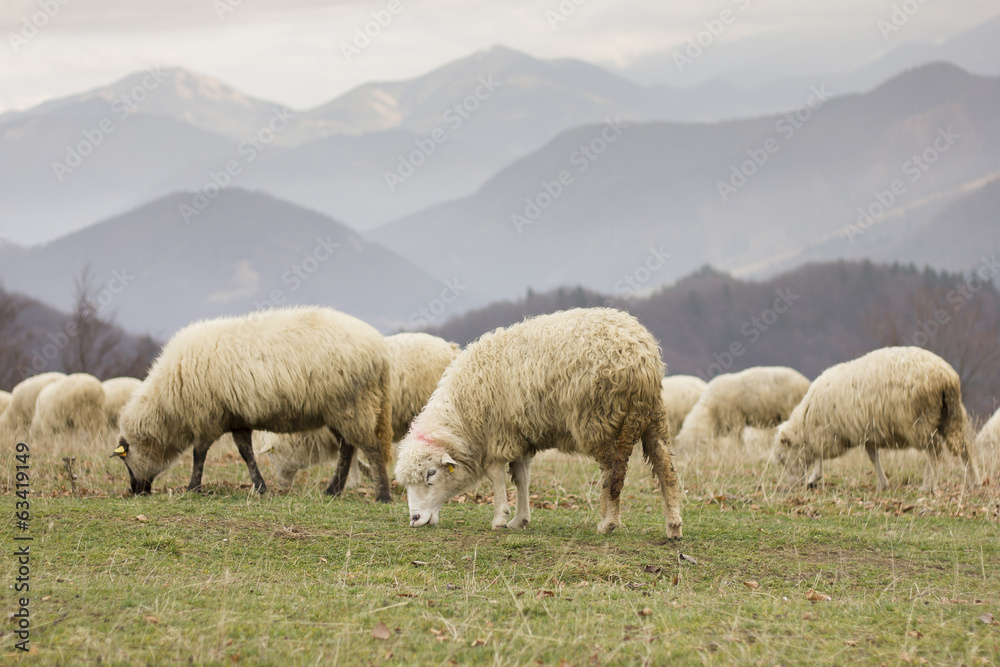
{"x": 301, "y": 386}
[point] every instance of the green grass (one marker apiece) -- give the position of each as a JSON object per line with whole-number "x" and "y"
{"x": 227, "y": 577}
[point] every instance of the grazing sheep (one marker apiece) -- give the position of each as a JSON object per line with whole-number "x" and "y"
{"x": 15, "y": 421}
{"x": 117, "y": 391}
{"x": 417, "y": 359}
{"x": 892, "y": 398}
{"x": 761, "y": 397}
{"x": 4, "y": 401}
{"x": 583, "y": 380}
{"x": 680, "y": 393}
{"x": 70, "y": 412}
{"x": 283, "y": 370}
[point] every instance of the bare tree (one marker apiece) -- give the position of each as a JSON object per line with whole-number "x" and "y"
{"x": 94, "y": 341}
{"x": 12, "y": 340}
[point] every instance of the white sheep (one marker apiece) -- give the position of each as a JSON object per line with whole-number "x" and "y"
{"x": 4, "y": 401}
{"x": 70, "y": 412}
{"x": 418, "y": 360}
{"x": 117, "y": 391}
{"x": 283, "y": 370}
{"x": 680, "y": 393}
{"x": 761, "y": 397}
{"x": 892, "y": 398}
{"x": 15, "y": 422}
{"x": 583, "y": 380}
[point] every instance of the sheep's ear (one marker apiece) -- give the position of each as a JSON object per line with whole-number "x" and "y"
{"x": 449, "y": 462}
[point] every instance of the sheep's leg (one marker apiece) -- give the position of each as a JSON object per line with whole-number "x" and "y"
{"x": 930, "y": 470}
{"x": 817, "y": 474}
{"x": 377, "y": 461}
{"x": 354, "y": 475}
{"x": 200, "y": 451}
{"x": 872, "y": 451}
{"x": 501, "y": 506}
{"x": 660, "y": 460}
{"x": 520, "y": 472}
{"x": 971, "y": 460}
{"x": 242, "y": 437}
{"x": 336, "y": 486}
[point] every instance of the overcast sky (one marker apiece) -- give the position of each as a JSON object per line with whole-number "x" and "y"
{"x": 290, "y": 51}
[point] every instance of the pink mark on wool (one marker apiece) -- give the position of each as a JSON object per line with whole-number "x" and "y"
{"x": 424, "y": 437}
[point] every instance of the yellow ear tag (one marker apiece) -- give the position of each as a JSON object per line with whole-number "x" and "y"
{"x": 451, "y": 467}
{"x": 121, "y": 451}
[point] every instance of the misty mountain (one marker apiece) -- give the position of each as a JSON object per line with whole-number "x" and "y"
{"x": 181, "y": 95}
{"x": 179, "y": 259}
{"x": 375, "y": 154}
{"x": 650, "y": 202}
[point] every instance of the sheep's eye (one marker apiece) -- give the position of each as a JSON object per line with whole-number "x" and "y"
{"x": 431, "y": 473}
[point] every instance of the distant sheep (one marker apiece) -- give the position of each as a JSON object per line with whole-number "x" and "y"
{"x": 117, "y": 391}
{"x": 761, "y": 397}
{"x": 417, "y": 359}
{"x": 892, "y": 398}
{"x": 15, "y": 422}
{"x": 680, "y": 393}
{"x": 70, "y": 412}
{"x": 283, "y": 370}
{"x": 989, "y": 435}
{"x": 583, "y": 380}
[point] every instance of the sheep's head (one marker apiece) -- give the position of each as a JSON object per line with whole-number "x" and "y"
{"x": 790, "y": 455}
{"x": 431, "y": 476}
{"x": 137, "y": 465}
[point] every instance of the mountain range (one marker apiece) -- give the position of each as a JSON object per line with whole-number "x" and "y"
{"x": 604, "y": 206}
{"x": 378, "y": 153}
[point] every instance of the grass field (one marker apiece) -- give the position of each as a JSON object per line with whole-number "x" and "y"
{"x": 226, "y": 577}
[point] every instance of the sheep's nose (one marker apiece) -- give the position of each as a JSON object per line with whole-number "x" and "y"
{"x": 415, "y": 517}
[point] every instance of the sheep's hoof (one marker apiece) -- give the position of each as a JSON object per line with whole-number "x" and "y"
{"x": 497, "y": 525}
{"x": 674, "y": 532}
{"x": 517, "y": 523}
{"x": 606, "y": 528}
{"x": 194, "y": 488}
{"x": 386, "y": 498}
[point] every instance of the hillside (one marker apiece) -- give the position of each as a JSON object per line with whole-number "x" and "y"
{"x": 36, "y": 338}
